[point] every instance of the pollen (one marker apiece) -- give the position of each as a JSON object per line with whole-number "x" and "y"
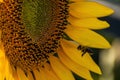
{"x": 31, "y": 30}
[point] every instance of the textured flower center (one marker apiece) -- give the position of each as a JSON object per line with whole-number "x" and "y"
{"x": 31, "y": 30}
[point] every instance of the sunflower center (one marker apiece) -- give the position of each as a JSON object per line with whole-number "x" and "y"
{"x": 31, "y": 30}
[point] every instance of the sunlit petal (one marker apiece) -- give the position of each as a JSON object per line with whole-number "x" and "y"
{"x": 76, "y": 68}
{"x": 89, "y": 9}
{"x": 87, "y": 37}
{"x": 2, "y": 66}
{"x": 39, "y": 75}
{"x": 77, "y": 0}
{"x": 91, "y": 23}
{"x": 30, "y": 76}
{"x": 8, "y": 71}
{"x": 21, "y": 74}
{"x": 61, "y": 71}
{"x": 1, "y": 1}
{"x": 70, "y": 49}
{"x": 50, "y": 73}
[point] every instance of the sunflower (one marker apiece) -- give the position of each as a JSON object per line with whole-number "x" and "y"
{"x": 49, "y": 39}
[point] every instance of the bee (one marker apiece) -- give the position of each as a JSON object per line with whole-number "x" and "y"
{"x": 84, "y": 49}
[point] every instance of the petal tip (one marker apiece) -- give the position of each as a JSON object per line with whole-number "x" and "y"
{"x": 99, "y": 71}
{"x": 107, "y": 46}
{"x": 110, "y": 11}
{"x": 106, "y": 24}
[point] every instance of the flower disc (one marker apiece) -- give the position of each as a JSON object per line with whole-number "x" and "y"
{"x": 31, "y": 29}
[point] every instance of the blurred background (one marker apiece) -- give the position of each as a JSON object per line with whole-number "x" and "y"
{"x": 109, "y": 60}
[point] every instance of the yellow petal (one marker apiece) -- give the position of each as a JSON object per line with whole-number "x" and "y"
{"x": 87, "y": 37}
{"x": 8, "y": 71}
{"x": 45, "y": 73}
{"x": 61, "y": 71}
{"x": 10, "y": 78}
{"x": 39, "y": 75}
{"x": 91, "y": 23}
{"x": 2, "y": 54}
{"x": 14, "y": 73}
{"x": 2, "y": 66}
{"x": 1, "y": 1}
{"x": 50, "y": 73}
{"x": 21, "y": 74}
{"x": 76, "y": 68}
{"x": 70, "y": 49}
{"x": 3, "y": 63}
{"x": 89, "y": 9}
{"x": 77, "y": 0}
{"x": 1, "y": 76}
{"x": 30, "y": 76}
